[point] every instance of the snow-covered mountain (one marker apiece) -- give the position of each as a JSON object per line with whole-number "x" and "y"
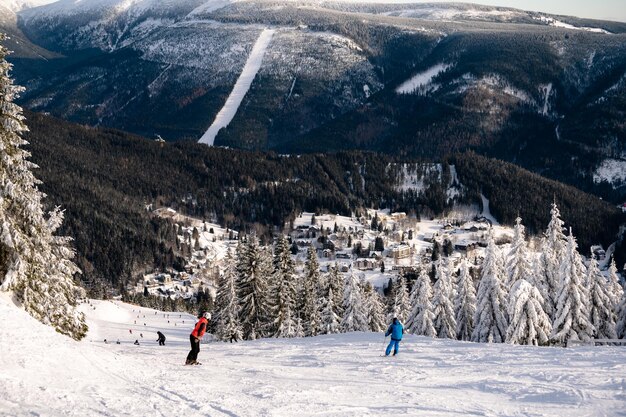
{"x": 339, "y": 75}
{"x": 19, "y": 5}
{"x": 55, "y": 376}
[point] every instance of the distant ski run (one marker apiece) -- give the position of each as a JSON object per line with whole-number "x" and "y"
{"x": 253, "y": 64}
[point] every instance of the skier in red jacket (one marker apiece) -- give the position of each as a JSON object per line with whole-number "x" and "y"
{"x": 195, "y": 336}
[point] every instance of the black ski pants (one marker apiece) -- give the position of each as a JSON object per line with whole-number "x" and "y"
{"x": 195, "y": 349}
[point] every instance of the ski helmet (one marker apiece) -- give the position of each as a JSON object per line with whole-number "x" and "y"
{"x": 207, "y": 315}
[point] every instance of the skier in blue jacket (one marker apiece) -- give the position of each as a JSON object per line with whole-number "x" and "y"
{"x": 396, "y": 330}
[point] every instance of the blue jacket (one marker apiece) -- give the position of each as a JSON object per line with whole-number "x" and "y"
{"x": 395, "y": 330}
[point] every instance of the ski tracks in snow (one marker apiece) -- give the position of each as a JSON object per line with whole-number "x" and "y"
{"x": 228, "y": 111}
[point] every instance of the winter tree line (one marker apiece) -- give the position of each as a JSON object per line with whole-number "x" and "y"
{"x": 522, "y": 297}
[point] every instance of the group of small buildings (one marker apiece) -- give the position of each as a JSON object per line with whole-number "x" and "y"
{"x": 403, "y": 247}
{"x": 351, "y": 246}
{"x": 169, "y": 284}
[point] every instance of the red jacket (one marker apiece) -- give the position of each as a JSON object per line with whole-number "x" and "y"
{"x": 200, "y": 328}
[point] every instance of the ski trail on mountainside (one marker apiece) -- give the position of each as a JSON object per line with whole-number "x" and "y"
{"x": 253, "y": 64}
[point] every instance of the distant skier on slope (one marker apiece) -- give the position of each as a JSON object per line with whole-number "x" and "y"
{"x": 195, "y": 336}
{"x": 396, "y": 330}
{"x": 161, "y": 338}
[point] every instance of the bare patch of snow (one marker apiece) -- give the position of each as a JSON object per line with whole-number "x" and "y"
{"x": 546, "y": 103}
{"x": 210, "y": 6}
{"x": 557, "y": 23}
{"x": 422, "y": 82}
{"x": 447, "y": 13}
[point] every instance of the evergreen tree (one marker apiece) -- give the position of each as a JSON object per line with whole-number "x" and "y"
{"x": 336, "y": 281}
{"x": 490, "y": 320}
{"x": 539, "y": 279}
{"x": 400, "y": 306}
{"x": 375, "y": 308}
{"x": 226, "y": 307}
{"x": 311, "y": 287}
{"x": 601, "y": 303}
{"x": 421, "y": 319}
{"x": 620, "y": 327}
{"x": 445, "y": 323}
{"x": 553, "y": 251}
{"x": 34, "y": 263}
{"x": 529, "y": 324}
{"x": 572, "y": 311}
{"x": 517, "y": 263}
{"x": 284, "y": 291}
{"x": 616, "y": 289}
{"x": 330, "y": 321}
{"x": 465, "y": 303}
{"x": 354, "y": 316}
{"x": 252, "y": 291}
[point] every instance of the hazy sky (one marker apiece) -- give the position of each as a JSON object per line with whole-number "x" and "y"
{"x": 594, "y": 9}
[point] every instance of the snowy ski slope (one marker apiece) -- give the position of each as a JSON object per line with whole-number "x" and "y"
{"x": 44, "y": 373}
{"x": 253, "y": 64}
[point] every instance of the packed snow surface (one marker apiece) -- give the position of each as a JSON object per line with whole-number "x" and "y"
{"x": 45, "y": 373}
{"x": 253, "y": 64}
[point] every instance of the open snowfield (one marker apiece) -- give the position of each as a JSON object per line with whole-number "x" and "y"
{"x": 46, "y": 374}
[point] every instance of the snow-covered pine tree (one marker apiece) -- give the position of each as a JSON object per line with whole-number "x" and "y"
{"x": 266, "y": 270}
{"x": 620, "y": 312}
{"x": 445, "y": 323}
{"x": 421, "y": 319}
{"x": 299, "y": 328}
{"x": 375, "y": 308}
{"x": 601, "y": 303}
{"x": 226, "y": 305}
{"x": 465, "y": 303}
{"x": 400, "y": 306}
{"x": 572, "y": 317}
{"x": 34, "y": 263}
{"x": 354, "y": 314}
{"x": 311, "y": 287}
{"x": 539, "y": 279}
{"x": 553, "y": 250}
{"x": 490, "y": 322}
{"x": 336, "y": 281}
{"x": 252, "y": 290}
{"x": 529, "y": 324}
{"x": 284, "y": 291}
{"x": 616, "y": 289}
{"x": 517, "y": 262}
{"x": 329, "y": 321}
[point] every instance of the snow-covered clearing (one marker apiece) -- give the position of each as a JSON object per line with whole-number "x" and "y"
{"x": 44, "y": 373}
{"x": 422, "y": 80}
{"x": 253, "y": 64}
{"x": 210, "y": 6}
{"x": 611, "y": 170}
{"x": 546, "y": 102}
{"x": 17, "y": 5}
{"x": 557, "y": 23}
{"x": 487, "y": 212}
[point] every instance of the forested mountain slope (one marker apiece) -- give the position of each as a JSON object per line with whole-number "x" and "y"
{"x": 422, "y": 80}
{"x": 105, "y": 179}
